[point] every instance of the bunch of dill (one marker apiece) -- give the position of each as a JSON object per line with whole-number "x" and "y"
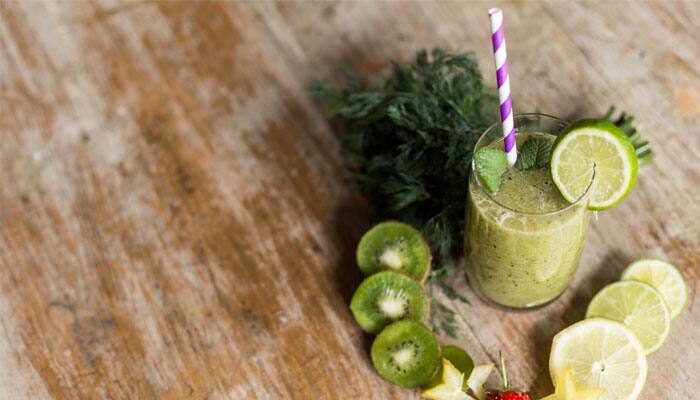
{"x": 409, "y": 143}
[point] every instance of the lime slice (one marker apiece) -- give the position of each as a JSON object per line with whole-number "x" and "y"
{"x": 664, "y": 277}
{"x": 589, "y": 145}
{"x": 601, "y": 354}
{"x": 639, "y": 307}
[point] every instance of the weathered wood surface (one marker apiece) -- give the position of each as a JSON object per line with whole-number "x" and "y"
{"x": 177, "y": 221}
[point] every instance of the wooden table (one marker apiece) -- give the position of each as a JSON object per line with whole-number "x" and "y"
{"x": 177, "y": 222}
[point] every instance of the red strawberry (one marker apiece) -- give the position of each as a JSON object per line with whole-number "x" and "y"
{"x": 507, "y": 393}
{"x": 513, "y": 395}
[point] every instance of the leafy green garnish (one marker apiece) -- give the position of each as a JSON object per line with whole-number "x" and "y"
{"x": 490, "y": 164}
{"x": 626, "y": 123}
{"x": 534, "y": 154}
{"x": 442, "y": 318}
{"x": 409, "y": 142}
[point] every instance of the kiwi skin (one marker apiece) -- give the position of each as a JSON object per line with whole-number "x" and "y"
{"x": 459, "y": 358}
{"x": 364, "y": 303}
{"x": 398, "y": 336}
{"x": 371, "y": 242}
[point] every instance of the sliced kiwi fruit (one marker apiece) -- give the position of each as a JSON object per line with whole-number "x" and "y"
{"x": 459, "y": 358}
{"x": 406, "y": 353}
{"x": 394, "y": 246}
{"x": 386, "y": 297}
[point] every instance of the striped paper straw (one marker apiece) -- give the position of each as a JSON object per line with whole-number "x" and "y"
{"x": 498, "y": 39}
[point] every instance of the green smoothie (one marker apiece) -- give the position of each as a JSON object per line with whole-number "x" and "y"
{"x": 524, "y": 242}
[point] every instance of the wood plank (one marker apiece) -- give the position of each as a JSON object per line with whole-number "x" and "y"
{"x": 177, "y": 221}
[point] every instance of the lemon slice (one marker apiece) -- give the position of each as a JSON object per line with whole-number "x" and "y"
{"x": 639, "y": 307}
{"x": 600, "y": 354}
{"x": 589, "y": 145}
{"x": 664, "y": 277}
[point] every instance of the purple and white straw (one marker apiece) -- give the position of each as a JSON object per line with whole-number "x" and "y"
{"x": 500, "y": 56}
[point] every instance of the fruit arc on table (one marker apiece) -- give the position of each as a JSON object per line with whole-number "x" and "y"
{"x": 664, "y": 277}
{"x": 636, "y": 305}
{"x": 394, "y": 246}
{"x": 386, "y": 297}
{"x": 601, "y": 354}
{"x": 406, "y": 353}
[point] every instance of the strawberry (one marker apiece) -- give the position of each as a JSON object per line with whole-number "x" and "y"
{"x": 507, "y": 393}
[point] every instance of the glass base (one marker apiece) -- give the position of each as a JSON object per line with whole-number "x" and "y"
{"x": 504, "y": 307}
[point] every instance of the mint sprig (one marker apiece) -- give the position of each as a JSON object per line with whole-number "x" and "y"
{"x": 490, "y": 165}
{"x": 534, "y": 154}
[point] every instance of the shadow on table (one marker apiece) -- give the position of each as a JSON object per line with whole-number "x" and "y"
{"x": 351, "y": 218}
{"x": 544, "y": 330}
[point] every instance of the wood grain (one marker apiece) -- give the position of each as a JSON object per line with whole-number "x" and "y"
{"x": 177, "y": 221}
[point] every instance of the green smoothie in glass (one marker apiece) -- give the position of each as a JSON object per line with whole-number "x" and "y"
{"x": 523, "y": 243}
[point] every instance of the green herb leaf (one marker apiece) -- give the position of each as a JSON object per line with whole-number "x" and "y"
{"x": 534, "y": 154}
{"x": 451, "y": 293}
{"x": 443, "y": 319}
{"x": 490, "y": 163}
{"x": 626, "y": 124}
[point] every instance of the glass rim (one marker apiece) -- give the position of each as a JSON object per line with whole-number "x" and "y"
{"x": 490, "y": 196}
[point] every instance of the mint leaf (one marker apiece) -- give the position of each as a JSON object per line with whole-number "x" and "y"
{"x": 490, "y": 165}
{"x": 534, "y": 154}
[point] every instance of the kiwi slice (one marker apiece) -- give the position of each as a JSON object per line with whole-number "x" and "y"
{"x": 386, "y": 297}
{"x": 459, "y": 358}
{"x": 406, "y": 353}
{"x": 394, "y": 246}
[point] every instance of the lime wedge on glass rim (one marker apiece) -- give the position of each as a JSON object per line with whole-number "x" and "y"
{"x": 589, "y": 148}
{"x": 639, "y": 307}
{"x": 664, "y": 277}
